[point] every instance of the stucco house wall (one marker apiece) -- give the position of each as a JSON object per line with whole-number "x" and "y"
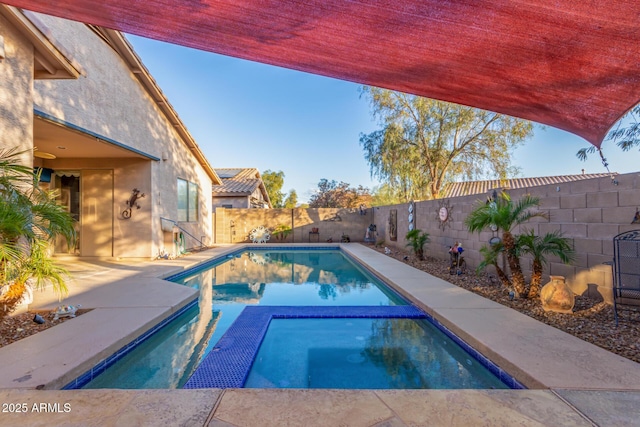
{"x": 110, "y": 101}
{"x": 238, "y": 202}
{"x": 16, "y": 91}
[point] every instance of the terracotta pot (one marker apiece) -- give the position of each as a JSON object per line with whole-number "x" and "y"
{"x": 557, "y": 296}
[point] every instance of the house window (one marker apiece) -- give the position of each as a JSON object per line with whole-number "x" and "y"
{"x": 187, "y": 201}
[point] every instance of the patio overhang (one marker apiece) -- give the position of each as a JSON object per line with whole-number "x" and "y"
{"x": 56, "y": 139}
{"x": 571, "y": 65}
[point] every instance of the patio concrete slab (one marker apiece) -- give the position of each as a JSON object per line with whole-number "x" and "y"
{"x": 369, "y": 408}
{"x": 127, "y": 300}
{"x": 439, "y": 297}
{"x": 88, "y": 408}
{"x": 392, "y": 422}
{"x": 134, "y": 292}
{"x": 480, "y": 408}
{"x": 606, "y": 408}
{"x": 282, "y": 407}
{"x": 416, "y": 284}
{"x": 110, "y": 283}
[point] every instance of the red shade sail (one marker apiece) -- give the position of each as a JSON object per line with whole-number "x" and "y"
{"x": 572, "y": 64}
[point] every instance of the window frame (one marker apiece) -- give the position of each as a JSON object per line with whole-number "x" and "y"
{"x": 188, "y": 193}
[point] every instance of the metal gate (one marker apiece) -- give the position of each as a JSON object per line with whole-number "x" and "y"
{"x": 626, "y": 270}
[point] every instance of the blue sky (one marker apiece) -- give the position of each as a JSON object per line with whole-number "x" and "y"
{"x": 246, "y": 114}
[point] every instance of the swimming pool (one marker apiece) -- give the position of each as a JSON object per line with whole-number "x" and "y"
{"x": 265, "y": 277}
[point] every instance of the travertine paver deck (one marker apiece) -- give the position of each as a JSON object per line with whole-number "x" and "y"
{"x": 582, "y": 384}
{"x": 310, "y": 408}
{"x": 88, "y": 408}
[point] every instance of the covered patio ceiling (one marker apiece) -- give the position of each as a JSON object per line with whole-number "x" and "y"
{"x": 570, "y": 64}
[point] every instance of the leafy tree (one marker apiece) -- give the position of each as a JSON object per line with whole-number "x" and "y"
{"x": 292, "y": 200}
{"x": 385, "y": 195}
{"x": 417, "y": 239}
{"x": 424, "y": 143}
{"x": 506, "y": 215}
{"x": 332, "y": 194}
{"x": 273, "y": 181}
{"x": 625, "y": 137}
{"x": 539, "y": 247}
{"x": 30, "y": 220}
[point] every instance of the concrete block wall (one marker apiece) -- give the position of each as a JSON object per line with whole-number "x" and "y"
{"x": 234, "y": 225}
{"x": 589, "y": 212}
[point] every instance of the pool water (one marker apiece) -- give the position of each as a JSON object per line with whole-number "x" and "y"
{"x": 364, "y": 354}
{"x": 166, "y": 359}
{"x": 258, "y": 277}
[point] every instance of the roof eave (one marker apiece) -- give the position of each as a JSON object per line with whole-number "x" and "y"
{"x": 56, "y": 64}
{"x": 120, "y": 44}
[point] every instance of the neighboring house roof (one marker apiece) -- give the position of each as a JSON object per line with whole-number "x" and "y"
{"x": 51, "y": 60}
{"x": 458, "y": 189}
{"x": 119, "y": 43}
{"x": 239, "y": 182}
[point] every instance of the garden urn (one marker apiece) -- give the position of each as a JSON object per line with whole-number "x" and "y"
{"x": 557, "y": 296}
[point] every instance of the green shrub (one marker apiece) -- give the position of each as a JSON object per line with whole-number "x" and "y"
{"x": 281, "y": 232}
{"x": 417, "y": 239}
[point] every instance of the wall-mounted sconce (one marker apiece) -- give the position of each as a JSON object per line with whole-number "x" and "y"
{"x": 1, "y": 48}
{"x": 135, "y": 195}
{"x": 165, "y": 156}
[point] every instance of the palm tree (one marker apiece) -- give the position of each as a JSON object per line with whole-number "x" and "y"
{"x": 539, "y": 247}
{"x": 490, "y": 257}
{"x": 504, "y": 214}
{"x": 417, "y": 240}
{"x": 30, "y": 219}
